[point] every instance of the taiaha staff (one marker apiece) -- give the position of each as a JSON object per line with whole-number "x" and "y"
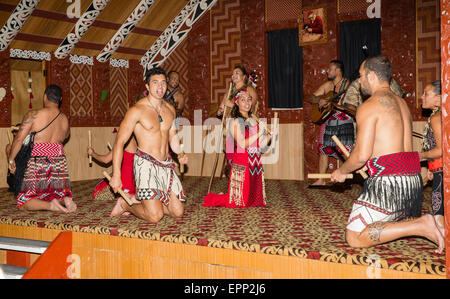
{"x": 209, "y": 130}
{"x": 220, "y": 138}
{"x": 216, "y": 160}
{"x": 90, "y": 145}
{"x": 325, "y": 176}
{"x": 347, "y": 154}
{"x": 203, "y": 149}
{"x": 123, "y": 194}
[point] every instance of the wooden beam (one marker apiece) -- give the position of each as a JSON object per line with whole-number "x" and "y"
{"x": 175, "y": 33}
{"x": 83, "y": 45}
{"x": 57, "y": 16}
{"x": 134, "y": 18}
{"x": 16, "y": 20}
{"x": 80, "y": 28}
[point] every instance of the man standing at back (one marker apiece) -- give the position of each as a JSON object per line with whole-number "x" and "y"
{"x": 338, "y": 124}
{"x": 45, "y": 183}
{"x": 393, "y": 192}
{"x": 158, "y": 189}
{"x": 174, "y": 94}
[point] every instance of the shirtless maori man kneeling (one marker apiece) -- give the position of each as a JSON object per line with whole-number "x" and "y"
{"x": 158, "y": 189}
{"x": 392, "y": 196}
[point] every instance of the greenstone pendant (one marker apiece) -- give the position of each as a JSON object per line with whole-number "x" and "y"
{"x": 160, "y": 118}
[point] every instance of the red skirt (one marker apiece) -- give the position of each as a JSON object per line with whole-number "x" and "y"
{"x": 246, "y": 186}
{"x": 127, "y": 176}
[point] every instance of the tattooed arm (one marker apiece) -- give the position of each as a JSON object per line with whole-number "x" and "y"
{"x": 24, "y": 130}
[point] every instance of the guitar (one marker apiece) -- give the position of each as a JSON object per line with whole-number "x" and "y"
{"x": 320, "y": 114}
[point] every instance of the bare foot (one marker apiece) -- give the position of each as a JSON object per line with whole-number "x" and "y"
{"x": 70, "y": 204}
{"x": 55, "y": 206}
{"x": 440, "y": 224}
{"x": 433, "y": 233}
{"x": 319, "y": 182}
{"x": 118, "y": 208}
{"x": 133, "y": 201}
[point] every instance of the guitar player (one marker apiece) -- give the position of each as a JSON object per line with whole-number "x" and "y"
{"x": 339, "y": 123}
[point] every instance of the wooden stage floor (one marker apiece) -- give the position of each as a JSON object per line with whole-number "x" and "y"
{"x": 298, "y": 222}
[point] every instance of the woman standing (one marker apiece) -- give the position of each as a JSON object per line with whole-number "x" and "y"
{"x": 244, "y": 142}
{"x": 240, "y": 81}
{"x": 432, "y": 147}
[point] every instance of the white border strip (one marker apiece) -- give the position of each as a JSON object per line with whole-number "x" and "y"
{"x": 28, "y": 54}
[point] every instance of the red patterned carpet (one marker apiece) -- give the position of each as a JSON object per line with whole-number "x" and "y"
{"x": 298, "y": 221}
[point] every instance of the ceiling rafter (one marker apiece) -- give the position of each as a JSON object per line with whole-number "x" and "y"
{"x": 126, "y": 28}
{"x": 57, "y": 16}
{"x": 80, "y": 28}
{"x": 175, "y": 33}
{"x": 15, "y": 22}
{"x": 28, "y": 37}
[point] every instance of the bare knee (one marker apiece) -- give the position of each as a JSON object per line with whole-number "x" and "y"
{"x": 177, "y": 213}
{"x": 153, "y": 216}
{"x": 176, "y": 207}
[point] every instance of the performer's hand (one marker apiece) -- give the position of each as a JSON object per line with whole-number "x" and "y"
{"x": 115, "y": 183}
{"x": 220, "y": 111}
{"x": 268, "y": 136}
{"x": 337, "y": 176}
{"x": 183, "y": 159}
{"x": 12, "y": 166}
{"x": 322, "y": 103}
{"x": 90, "y": 151}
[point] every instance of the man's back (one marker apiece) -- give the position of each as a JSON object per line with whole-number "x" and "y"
{"x": 57, "y": 132}
{"x": 388, "y": 117}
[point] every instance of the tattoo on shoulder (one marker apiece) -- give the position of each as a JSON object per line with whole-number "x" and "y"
{"x": 375, "y": 230}
{"x": 386, "y": 100}
{"x": 29, "y": 118}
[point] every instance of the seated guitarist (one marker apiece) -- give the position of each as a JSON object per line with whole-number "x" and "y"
{"x": 338, "y": 123}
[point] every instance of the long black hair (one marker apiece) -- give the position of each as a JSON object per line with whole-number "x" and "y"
{"x": 235, "y": 113}
{"x": 436, "y": 86}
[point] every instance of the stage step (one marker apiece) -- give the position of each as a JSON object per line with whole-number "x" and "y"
{"x": 23, "y": 245}
{"x": 11, "y": 272}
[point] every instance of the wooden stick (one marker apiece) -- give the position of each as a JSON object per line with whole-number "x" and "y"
{"x": 417, "y": 135}
{"x": 90, "y": 145}
{"x": 109, "y": 146}
{"x": 10, "y": 137}
{"x": 123, "y": 194}
{"x": 347, "y": 154}
{"x": 275, "y": 115}
{"x": 325, "y": 176}
{"x": 208, "y": 130}
{"x": 182, "y": 154}
{"x": 216, "y": 160}
{"x": 268, "y": 129}
{"x": 220, "y": 140}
